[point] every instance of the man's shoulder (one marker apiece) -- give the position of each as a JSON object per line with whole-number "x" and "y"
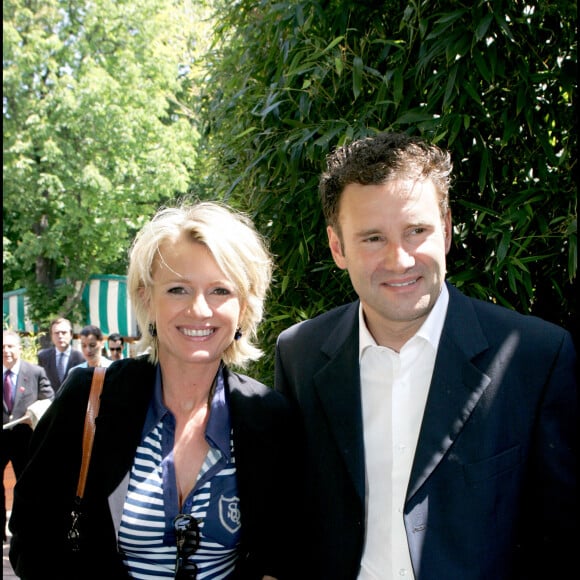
{"x": 31, "y": 368}
{"x": 45, "y": 353}
{"x": 497, "y": 320}
{"x": 76, "y": 355}
{"x": 331, "y": 319}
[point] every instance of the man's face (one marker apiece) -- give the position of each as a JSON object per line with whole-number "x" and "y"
{"x": 10, "y": 350}
{"x": 393, "y": 242}
{"x": 61, "y": 336}
{"x": 115, "y": 349}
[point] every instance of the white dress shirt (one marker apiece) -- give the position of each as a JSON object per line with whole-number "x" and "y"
{"x": 394, "y": 389}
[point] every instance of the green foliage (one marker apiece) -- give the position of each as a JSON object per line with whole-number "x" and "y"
{"x": 30, "y": 348}
{"x": 491, "y": 80}
{"x": 93, "y": 137}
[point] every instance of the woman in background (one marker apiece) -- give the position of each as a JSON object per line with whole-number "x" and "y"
{"x": 92, "y": 342}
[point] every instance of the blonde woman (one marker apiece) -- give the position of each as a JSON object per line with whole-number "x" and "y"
{"x": 193, "y": 474}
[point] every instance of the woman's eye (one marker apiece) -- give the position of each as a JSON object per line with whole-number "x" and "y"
{"x": 221, "y": 291}
{"x": 176, "y": 290}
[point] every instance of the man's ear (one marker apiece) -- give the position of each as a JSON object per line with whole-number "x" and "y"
{"x": 448, "y": 230}
{"x": 336, "y": 248}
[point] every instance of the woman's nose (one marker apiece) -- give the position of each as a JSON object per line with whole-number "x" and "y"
{"x": 200, "y": 306}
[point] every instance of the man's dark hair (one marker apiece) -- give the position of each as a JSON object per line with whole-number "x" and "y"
{"x": 379, "y": 159}
{"x": 115, "y": 336}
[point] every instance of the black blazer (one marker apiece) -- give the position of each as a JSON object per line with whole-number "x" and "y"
{"x": 492, "y": 493}
{"x": 47, "y": 360}
{"x": 266, "y": 463}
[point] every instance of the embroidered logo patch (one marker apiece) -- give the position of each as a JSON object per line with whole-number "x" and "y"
{"x": 229, "y": 510}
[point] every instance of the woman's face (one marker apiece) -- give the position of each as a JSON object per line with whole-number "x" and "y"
{"x": 193, "y": 303}
{"x": 91, "y": 347}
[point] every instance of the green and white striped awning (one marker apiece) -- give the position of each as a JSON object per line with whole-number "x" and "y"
{"x": 107, "y": 304}
{"x": 14, "y": 312}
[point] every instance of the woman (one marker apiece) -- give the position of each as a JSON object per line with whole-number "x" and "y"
{"x": 186, "y": 450}
{"x": 92, "y": 342}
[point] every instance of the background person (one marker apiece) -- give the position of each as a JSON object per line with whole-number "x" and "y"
{"x": 179, "y": 434}
{"x": 441, "y": 430}
{"x": 92, "y": 342}
{"x": 24, "y": 383}
{"x": 58, "y": 359}
{"x": 115, "y": 346}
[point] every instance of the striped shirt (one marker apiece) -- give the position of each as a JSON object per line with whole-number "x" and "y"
{"x": 146, "y": 535}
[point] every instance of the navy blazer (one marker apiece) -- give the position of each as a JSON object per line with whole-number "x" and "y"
{"x": 32, "y": 384}
{"x": 492, "y": 492}
{"x": 47, "y": 360}
{"x": 266, "y": 464}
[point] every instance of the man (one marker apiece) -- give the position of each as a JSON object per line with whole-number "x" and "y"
{"x": 115, "y": 344}
{"x": 58, "y": 359}
{"x": 24, "y": 383}
{"x": 441, "y": 429}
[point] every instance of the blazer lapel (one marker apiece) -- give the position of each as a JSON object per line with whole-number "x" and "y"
{"x": 123, "y": 409}
{"x": 22, "y": 385}
{"x": 338, "y": 387}
{"x": 51, "y": 362}
{"x": 456, "y": 387}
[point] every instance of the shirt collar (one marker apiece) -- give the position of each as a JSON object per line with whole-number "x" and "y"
{"x": 14, "y": 370}
{"x": 218, "y": 427}
{"x": 430, "y": 329}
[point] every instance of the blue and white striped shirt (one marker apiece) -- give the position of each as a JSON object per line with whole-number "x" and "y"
{"x": 146, "y": 536}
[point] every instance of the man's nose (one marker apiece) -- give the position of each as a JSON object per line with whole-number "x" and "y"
{"x": 398, "y": 258}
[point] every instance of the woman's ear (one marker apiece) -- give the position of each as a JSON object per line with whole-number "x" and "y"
{"x": 145, "y": 297}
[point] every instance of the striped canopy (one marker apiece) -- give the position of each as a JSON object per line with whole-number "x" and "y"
{"x": 107, "y": 304}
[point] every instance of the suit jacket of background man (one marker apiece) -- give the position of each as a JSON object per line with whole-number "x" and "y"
{"x": 266, "y": 462}
{"x": 47, "y": 359}
{"x": 492, "y": 492}
{"x": 32, "y": 384}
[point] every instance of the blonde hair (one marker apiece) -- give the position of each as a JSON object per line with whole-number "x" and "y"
{"x": 236, "y": 246}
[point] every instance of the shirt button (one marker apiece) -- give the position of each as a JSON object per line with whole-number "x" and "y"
{"x": 402, "y": 572}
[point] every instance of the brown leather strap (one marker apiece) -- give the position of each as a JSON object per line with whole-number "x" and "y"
{"x": 89, "y": 431}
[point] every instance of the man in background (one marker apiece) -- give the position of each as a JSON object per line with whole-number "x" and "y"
{"x": 58, "y": 359}
{"x": 115, "y": 344}
{"x": 24, "y": 384}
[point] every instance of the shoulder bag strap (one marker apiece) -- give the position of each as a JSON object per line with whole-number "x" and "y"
{"x": 89, "y": 431}
{"x": 88, "y": 437}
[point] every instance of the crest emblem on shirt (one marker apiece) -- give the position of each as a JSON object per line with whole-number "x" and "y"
{"x": 229, "y": 511}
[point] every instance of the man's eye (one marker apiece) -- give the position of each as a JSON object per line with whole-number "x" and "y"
{"x": 373, "y": 239}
